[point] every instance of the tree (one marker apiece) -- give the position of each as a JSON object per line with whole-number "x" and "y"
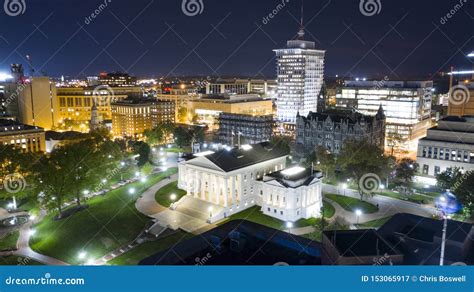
{"x": 360, "y": 159}
{"x": 463, "y": 188}
{"x": 325, "y": 160}
{"x": 154, "y": 136}
{"x": 15, "y": 171}
{"x": 405, "y": 170}
{"x": 182, "y": 137}
{"x": 394, "y": 141}
{"x": 446, "y": 179}
{"x": 143, "y": 150}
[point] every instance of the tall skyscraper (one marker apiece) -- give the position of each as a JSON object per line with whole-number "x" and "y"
{"x": 300, "y": 72}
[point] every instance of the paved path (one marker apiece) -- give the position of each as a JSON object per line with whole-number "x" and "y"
{"x": 25, "y": 250}
{"x": 387, "y": 206}
{"x": 147, "y": 204}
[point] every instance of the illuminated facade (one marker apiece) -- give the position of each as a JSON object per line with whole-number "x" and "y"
{"x": 231, "y": 180}
{"x": 117, "y": 80}
{"x": 407, "y": 105}
{"x": 75, "y": 104}
{"x": 448, "y": 145}
{"x": 249, "y": 129}
{"x": 300, "y": 73}
{"x": 24, "y": 137}
{"x": 208, "y": 109}
{"x": 265, "y": 88}
{"x": 130, "y": 118}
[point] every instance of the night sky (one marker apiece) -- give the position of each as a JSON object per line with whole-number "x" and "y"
{"x": 407, "y": 37}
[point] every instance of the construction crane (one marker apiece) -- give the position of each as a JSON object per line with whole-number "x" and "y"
{"x": 30, "y": 64}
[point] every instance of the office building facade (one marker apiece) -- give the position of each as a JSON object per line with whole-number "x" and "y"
{"x": 448, "y": 145}
{"x": 248, "y": 129}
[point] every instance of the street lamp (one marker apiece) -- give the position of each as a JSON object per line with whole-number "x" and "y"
{"x": 131, "y": 191}
{"x": 173, "y": 197}
{"x": 210, "y": 212}
{"x": 81, "y": 255}
{"x": 289, "y": 225}
{"x": 358, "y": 213}
{"x": 31, "y": 232}
{"x": 344, "y": 187}
{"x": 143, "y": 179}
{"x": 448, "y": 204}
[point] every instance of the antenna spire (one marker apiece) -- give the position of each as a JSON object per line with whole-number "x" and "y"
{"x": 301, "y": 31}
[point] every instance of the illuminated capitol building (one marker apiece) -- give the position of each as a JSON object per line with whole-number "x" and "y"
{"x": 230, "y": 180}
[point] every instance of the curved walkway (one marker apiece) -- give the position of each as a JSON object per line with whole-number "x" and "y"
{"x": 147, "y": 203}
{"x": 24, "y": 249}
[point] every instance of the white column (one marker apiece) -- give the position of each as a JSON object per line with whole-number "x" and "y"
{"x": 202, "y": 186}
{"x": 226, "y": 193}
{"x": 195, "y": 183}
{"x": 232, "y": 189}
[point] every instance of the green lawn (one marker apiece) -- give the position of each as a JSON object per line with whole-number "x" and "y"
{"x": 415, "y": 198}
{"x": 146, "y": 249}
{"x": 9, "y": 242}
{"x": 14, "y": 260}
{"x": 374, "y": 223}
{"x": 110, "y": 222}
{"x": 255, "y": 215}
{"x": 351, "y": 204}
{"x": 163, "y": 195}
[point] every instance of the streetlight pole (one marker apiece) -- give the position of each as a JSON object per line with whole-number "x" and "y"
{"x": 443, "y": 239}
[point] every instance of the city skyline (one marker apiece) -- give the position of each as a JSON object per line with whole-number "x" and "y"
{"x": 234, "y": 39}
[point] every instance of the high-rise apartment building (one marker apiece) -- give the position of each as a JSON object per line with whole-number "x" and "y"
{"x": 300, "y": 72}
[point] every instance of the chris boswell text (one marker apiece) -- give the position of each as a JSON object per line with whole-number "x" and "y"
{"x": 414, "y": 278}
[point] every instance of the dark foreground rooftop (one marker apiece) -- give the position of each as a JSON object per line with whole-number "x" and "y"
{"x": 240, "y": 242}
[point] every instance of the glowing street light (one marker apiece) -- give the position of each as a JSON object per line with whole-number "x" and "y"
{"x": 344, "y": 187}
{"x": 81, "y": 255}
{"x": 173, "y": 197}
{"x": 104, "y": 180}
{"x": 210, "y": 212}
{"x": 358, "y": 213}
{"x": 131, "y": 191}
{"x": 143, "y": 179}
{"x": 448, "y": 204}
{"x": 31, "y": 232}
{"x": 289, "y": 225}
{"x": 137, "y": 174}
{"x": 122, "y": 163}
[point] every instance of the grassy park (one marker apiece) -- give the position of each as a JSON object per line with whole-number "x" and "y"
{"x": 109, "y": 222}
{"x": 351, "y": 204}
{"x": 163, "y": 195}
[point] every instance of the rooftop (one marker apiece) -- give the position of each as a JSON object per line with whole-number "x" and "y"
{"x": 234, "y": 158}
{"x": 294, "y": 177}
{"x": 8, "y": 125}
